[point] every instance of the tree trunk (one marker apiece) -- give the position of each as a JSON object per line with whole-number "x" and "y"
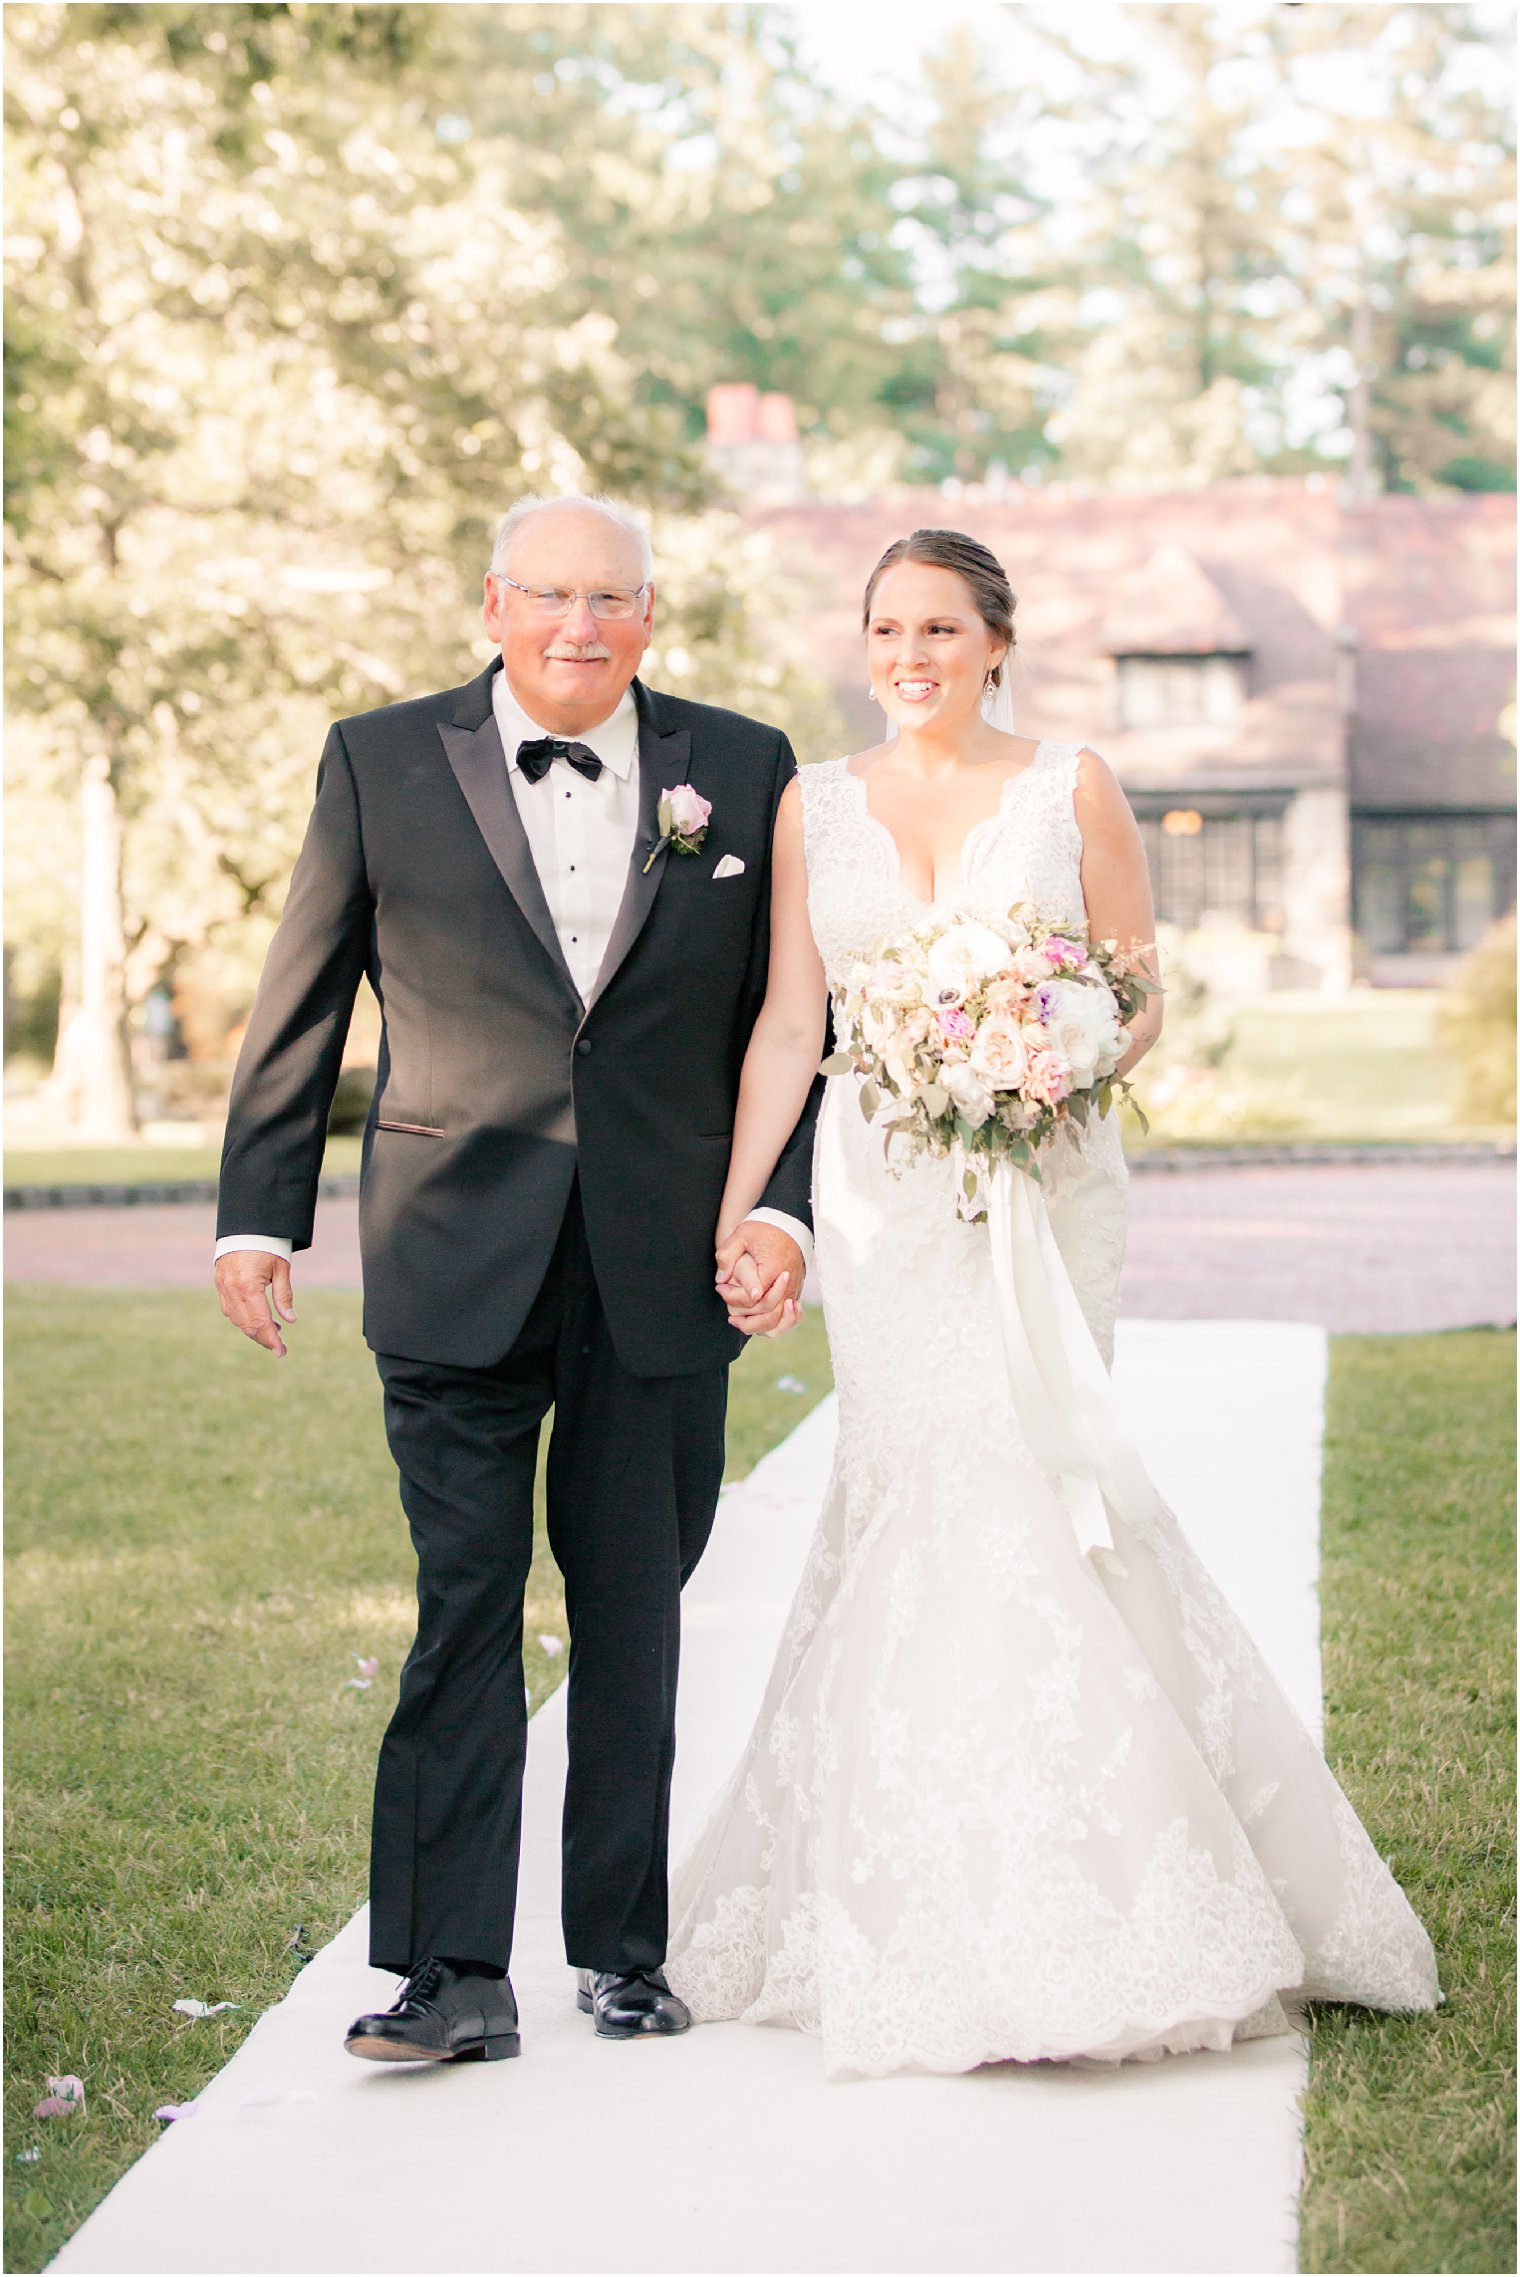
{"x": 1359, "y": 401}
{"x": 91, "y": 1084}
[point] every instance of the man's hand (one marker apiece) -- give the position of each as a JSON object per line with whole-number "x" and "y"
{"x": 760, "y": 1272}
{"x": 254, "y": 1287}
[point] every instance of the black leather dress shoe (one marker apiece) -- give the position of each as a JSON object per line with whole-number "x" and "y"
{"x": 441, "y": 2017}
{"x": 630, "y": 2004}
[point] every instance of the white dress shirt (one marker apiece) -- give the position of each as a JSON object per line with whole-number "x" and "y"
{"x": 580, "y": 835}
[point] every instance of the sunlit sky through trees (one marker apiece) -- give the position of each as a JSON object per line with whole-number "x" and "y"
{"x": 883, "y": 54}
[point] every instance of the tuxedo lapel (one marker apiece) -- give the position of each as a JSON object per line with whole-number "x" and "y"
{"x": 473, "y": 744}
{"x": 664, "y": 761}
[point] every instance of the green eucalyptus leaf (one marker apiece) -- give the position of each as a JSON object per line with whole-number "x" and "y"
{"x": 837, "y": 1063}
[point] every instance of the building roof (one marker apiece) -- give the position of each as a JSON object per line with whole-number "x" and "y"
{"x": 1379, "y": 637}
{"x": 1170, "y": 606}
{"x": 1430, "y": 595}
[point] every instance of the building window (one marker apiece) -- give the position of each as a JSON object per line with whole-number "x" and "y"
{"x": 1179, "y": 691}
{"x": 1430, "y": 882}
{"x": 1214, "y": 865}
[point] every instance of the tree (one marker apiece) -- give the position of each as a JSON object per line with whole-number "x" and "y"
{"x": 1177, "y": 357}
{"x": 280, "y": 353}
{"x": 1403, "y": 214}
{"x": 976, "y": 384}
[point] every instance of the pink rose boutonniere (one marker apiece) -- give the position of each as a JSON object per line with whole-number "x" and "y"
{"x": 683, "y": 815}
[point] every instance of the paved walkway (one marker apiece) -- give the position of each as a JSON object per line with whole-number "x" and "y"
{"x": 1357, "y": 1248}
{"x": 727, "y": 2151}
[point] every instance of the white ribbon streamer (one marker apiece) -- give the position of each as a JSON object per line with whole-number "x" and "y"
{"x": 1062, "y": 1393}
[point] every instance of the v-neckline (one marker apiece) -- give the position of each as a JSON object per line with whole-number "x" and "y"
{"x": 985, "y": 823}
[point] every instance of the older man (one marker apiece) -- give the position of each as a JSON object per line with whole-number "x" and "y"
{"x": 568, "y": 978}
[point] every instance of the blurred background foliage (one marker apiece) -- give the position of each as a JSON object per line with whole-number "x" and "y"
{"x": 301, "y": 297}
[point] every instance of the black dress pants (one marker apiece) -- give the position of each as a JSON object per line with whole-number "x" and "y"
{"x": 634, "y": 1469}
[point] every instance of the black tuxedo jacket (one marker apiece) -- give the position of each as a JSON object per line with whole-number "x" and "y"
{"x": 496, "y": 1083}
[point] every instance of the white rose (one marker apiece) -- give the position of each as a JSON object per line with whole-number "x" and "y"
{"x": 973, "y": 1099}
{"x": 998, "y": 1055}
{"x": 975, "y": 950}
{"x": 1082, "y": 1024}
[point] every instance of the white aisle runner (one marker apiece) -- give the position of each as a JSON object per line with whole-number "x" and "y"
{"x": 725, "y": 2150}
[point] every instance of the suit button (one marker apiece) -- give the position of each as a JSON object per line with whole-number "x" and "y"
{"x": 583, "y": 1045}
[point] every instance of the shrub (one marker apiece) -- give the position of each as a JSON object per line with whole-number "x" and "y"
{"x": 350, "y": 1107}
{"x": 1477, "y": 1027}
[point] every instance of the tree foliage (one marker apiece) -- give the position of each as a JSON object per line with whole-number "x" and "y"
{"x": 302, "y": 295}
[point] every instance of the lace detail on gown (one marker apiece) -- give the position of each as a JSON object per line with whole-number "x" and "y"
{"x": 1003, "y": 1800}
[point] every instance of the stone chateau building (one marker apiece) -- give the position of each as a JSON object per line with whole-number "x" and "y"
{"x": 1309, "y": 702}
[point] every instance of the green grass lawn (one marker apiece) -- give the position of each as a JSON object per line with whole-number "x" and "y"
{"x": 1365, "y": 1068}
{"x": 142, "y": 1165}
{"x": 1411, "y": 2121}
{"x": 201, "y": 1544}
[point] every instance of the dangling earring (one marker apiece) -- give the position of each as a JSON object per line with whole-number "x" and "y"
{"x": 990, "y": 682}
{"x": 871, "y": 692}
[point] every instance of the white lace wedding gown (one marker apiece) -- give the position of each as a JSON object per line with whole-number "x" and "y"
{"x": 1004, "y": 1799}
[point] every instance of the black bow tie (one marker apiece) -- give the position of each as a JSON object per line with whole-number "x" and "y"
{"x": 536, "y": 758}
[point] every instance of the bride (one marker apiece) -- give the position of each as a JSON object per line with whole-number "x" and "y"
{"x": 1016, "y": 1789}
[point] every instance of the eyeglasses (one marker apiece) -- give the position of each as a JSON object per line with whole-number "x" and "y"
{"x": 554, "y": 601}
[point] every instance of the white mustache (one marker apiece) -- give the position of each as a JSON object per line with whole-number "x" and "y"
{"x": 594, "y": 654}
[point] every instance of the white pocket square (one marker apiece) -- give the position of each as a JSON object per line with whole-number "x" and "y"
{"x": 729, "y": 867}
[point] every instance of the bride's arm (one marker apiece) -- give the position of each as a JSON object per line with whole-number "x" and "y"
{"x": 787, "y": 1041}
{"x": 1116, "y": 886}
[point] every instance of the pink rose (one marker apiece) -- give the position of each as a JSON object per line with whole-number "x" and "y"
{"x": 957, "y": 1027}
{"x": 689, "y": 811}
{"x": 1062, "y": 952}
{"x": 1048, "y": 1079}
{"x": 1005, "y": 997}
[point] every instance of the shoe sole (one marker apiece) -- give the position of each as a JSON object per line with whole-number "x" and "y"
{"x": 495, "y": 2050}
{"x": 587, "y": 2007}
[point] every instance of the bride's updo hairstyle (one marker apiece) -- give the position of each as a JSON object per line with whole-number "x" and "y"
{"x": 973, "y": 563}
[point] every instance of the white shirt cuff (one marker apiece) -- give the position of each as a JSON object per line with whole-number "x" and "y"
{"x": 273, "y": 1245}
{"x": 794, "y": 1226}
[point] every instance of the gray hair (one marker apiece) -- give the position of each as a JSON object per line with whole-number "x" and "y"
{"x": 536, "y": 503}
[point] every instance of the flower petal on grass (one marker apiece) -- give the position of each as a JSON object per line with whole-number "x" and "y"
{"x": 790, "y": 1384}
{"x": 28, "y": 2157}
{"x": 551, "y": 1645}
{"x": 65, "y": 2095}
{"x": 368, "y": 1666}
{"x": 168, "y": 2112}
{"x": 201, "y": 2008}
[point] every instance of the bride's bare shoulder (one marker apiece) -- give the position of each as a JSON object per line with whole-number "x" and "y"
{"x": 1019, "y": 751}
{"x": 861, "y": 762}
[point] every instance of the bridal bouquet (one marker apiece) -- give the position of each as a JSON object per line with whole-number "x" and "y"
{"x": 981, "y": 1036}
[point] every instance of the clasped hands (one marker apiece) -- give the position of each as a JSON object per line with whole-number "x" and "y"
{"x": 759, "y": 1278}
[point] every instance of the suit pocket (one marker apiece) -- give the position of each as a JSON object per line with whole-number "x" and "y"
{"x": 415, "y": 1130}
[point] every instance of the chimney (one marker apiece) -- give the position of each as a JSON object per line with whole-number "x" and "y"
{"x": 753, "y": 445}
